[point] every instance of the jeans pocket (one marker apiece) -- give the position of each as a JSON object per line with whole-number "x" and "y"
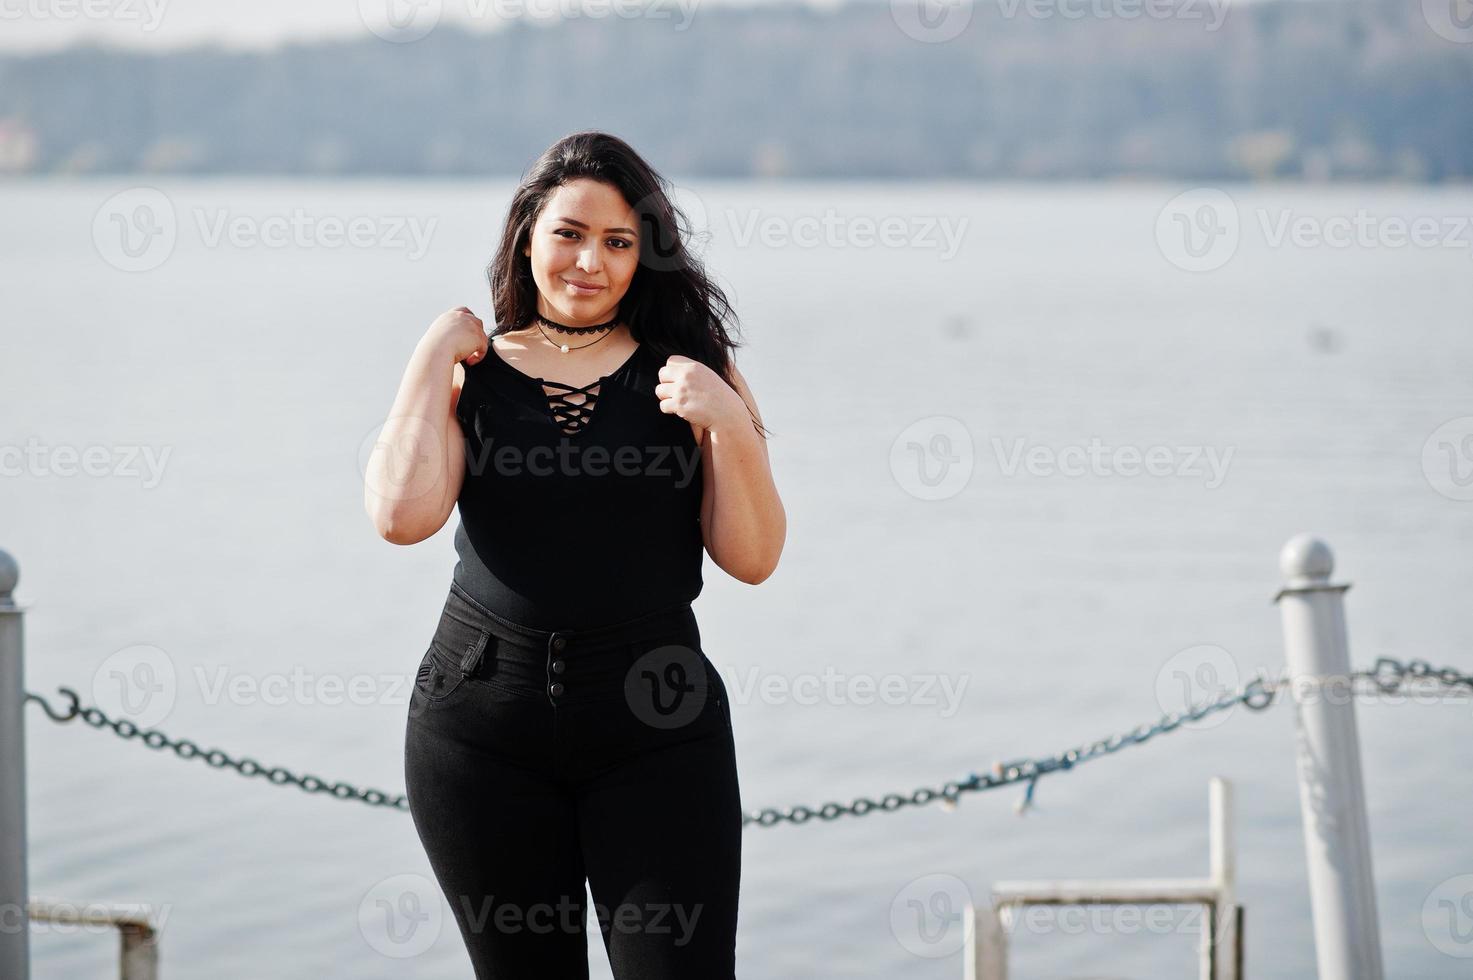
{"x": 442, "y": 672}
{"x": 435, "y": 682}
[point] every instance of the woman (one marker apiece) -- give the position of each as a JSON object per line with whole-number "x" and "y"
{"x": 566, "y": 725}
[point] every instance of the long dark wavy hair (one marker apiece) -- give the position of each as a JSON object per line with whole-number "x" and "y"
{"x": 672, "y": 305}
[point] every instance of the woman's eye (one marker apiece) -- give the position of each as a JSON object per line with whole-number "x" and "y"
{"x": 622, "y": 243}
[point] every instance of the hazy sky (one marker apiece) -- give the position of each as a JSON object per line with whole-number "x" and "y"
{"x": 34, "y": 25}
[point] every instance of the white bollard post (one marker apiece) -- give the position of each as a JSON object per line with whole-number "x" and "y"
{"x": 15, "y": 930}
{"x": 1332, "y": 799}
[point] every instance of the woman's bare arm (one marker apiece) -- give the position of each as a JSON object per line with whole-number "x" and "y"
{"x": 417, "y": 465}
{"x": 743, "y": 523}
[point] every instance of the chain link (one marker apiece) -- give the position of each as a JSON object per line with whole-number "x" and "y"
{"x": 1387, "y": 676}
{"x": 1260, "y": 692}
{"x": 185, "y": 749}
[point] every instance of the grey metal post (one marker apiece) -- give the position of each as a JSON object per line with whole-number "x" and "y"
{"x": 1332, "y": 798}
{"x": 15, "y": 953}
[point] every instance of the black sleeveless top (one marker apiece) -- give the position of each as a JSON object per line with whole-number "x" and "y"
{"x": 580, "y": 506}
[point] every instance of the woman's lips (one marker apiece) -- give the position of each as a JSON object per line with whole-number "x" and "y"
{"x": 582, "y": 289}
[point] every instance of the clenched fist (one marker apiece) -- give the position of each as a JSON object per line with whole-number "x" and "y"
{"x": 458, "y": 333}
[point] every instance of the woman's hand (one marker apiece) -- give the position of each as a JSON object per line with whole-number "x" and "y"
{"x": 698, "y": 394}
{"x": 458, "y": 333}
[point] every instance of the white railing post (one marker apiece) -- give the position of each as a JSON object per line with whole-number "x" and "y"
{"x": 1331, "y": 795}
{"x": 1222, "y": 869}
{"x": 139, "y": 958}
{"x": 985, "y": 943}
{"x": 15, "y": 956}
{"x": 1221, "y": 946}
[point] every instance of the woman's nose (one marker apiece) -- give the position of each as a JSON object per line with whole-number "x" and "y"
{"x": 588, "y": 260}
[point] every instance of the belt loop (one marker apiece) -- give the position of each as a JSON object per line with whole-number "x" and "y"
{"x": 471, "y": 661}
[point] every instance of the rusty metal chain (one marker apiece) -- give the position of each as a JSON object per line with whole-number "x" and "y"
{"x": 1388, "y": 675}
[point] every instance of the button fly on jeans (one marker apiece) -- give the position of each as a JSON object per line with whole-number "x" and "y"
{"x": 557, "y": 643}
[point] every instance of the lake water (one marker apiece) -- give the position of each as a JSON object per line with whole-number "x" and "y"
{"x": 900, "y": 373}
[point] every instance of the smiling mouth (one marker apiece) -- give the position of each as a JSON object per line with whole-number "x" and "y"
{"x": 583, "y": 286}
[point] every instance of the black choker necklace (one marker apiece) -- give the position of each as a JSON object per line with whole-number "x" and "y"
{"x": 564, "y": 328}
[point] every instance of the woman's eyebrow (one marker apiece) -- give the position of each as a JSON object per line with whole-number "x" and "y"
{"x": 579, "y": 224}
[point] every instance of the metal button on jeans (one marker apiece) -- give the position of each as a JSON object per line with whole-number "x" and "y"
{"x": 558, "y": 642}
{"x": 557, "y": 666}
{"x": 556, "y": 689}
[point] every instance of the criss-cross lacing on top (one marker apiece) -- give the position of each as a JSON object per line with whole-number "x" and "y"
{"x": 571, "y": 415}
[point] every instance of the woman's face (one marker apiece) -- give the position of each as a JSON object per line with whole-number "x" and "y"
{"x": 585, "y": 235}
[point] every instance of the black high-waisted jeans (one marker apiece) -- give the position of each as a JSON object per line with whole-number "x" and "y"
{"x": 535, "y": 759}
